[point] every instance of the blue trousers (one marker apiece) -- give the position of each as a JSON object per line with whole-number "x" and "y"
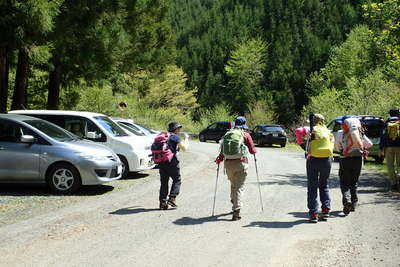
{"x": 318, "y": 171}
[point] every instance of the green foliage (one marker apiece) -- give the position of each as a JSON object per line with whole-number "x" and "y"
{"x": 96, "y": 99}
{"x": 373, "y": 94}
{"x": 220, "y": 112}
{"x": 261, "y": 112}
{"x": 245, "y": 72}
{"x": 330, "y": 103}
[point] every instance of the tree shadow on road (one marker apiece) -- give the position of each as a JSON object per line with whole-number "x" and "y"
{"x": 133, "y": 210}
{"x": 42, "y": 190}
{"x": 296, "y": 180}
{"x": 196, "y": 221}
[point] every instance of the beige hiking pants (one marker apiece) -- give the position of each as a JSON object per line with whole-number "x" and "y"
{"x": 237, "y": 173}
{"x": 392, "y": 155}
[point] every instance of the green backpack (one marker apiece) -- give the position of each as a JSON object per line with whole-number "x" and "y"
{"x": 233, "y": 146}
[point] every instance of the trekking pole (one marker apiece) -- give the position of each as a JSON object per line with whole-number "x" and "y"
{"x": 259, "y": 185}
{"x": 215, "y": 193}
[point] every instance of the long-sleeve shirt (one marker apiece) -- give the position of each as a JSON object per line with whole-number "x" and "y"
{"x": 341, "y": 143}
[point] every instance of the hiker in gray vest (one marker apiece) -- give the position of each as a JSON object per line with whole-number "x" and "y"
{"x": 235, "y": 146}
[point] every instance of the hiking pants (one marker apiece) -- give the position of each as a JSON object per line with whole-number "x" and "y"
{"x": 392, "y": 154}
{"x": 349, "y": 174}
{"x": 236, "y": 171}
{"x": 318, "y": 171}
{"x": 170, "y": 170}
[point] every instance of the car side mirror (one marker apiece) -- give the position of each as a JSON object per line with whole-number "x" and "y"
{"x": 29, "y": 139}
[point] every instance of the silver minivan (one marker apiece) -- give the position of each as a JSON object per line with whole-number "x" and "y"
{"x": 36, "y": 151}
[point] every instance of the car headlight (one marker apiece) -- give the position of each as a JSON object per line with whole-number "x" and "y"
{"x": 93, "y": 157}
{"x": 265, "y": 133}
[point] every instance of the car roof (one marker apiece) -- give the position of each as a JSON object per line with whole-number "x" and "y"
{"x": 58, "y": 112}
{"x": 361, "y": 117}
{"x": 17, "y": 117}
{"x": 269, "y": 125}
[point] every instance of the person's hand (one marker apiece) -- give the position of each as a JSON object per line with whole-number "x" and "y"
{"x": 186, "y": 136}
{"x": 219, "y": 159}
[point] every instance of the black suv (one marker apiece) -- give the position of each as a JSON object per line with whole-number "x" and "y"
{"x": 269, "y": 134}
{"x": 373, "y": 128}
{"x": 215, "y": 131}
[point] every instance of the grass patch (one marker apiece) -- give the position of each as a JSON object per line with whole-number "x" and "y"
{"x": 381, "y": 168}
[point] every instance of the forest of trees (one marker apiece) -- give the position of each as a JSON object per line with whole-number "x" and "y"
{"x": 199, "y": 60}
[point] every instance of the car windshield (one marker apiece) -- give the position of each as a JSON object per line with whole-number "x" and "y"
{"x": 130, "y": 129}
{"x": 272, "y": 129}
{"x": 51, "y": 130}
{"x": 110, "y": 126}
{"x": 145, "y": 130}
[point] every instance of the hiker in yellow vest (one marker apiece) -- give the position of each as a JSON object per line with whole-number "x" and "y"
{"x": 319, "y": 160}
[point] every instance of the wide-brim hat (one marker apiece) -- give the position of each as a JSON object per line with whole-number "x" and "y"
{"x": 173, "y": 126}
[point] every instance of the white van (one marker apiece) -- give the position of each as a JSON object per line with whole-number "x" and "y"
{"x": 135, "y": 154}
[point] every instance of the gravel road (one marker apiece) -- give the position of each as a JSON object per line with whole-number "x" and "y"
{"x": 123, "y": 227}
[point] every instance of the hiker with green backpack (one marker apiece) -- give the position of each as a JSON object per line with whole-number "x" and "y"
{"x": 234, "y": 149}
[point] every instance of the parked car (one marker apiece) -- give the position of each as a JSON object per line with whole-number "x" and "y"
{"x": 133, "y": 153}
{"x": 215, "y": 131}
{"x": 373, "y": 128}
{"x": 133, "y": 132}
{"x": 36, "y": 151}
{"x": 269, "y": 134}
{"x": 136, "y": 127}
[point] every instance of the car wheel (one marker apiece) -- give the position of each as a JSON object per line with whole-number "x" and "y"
{"x": 283, "y": 145}
{"x": 125, "y": 166}
{"x": 202, "y": 138}
{"x": 63, "y": 178}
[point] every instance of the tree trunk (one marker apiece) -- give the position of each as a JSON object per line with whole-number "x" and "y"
{"x": 21, "y": 78}
{"x": 4, "y": 71}
{"x": 54, "y": 84}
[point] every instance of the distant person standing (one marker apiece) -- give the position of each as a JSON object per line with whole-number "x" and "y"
{"x": 319, "y": 160}
{"x": 235, "y": 146}
{"x": 165, "y": 153}
{"x": 352, "y": 144}
{"x": 390, "y": 148}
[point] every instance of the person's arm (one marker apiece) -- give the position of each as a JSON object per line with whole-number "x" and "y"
{"x": 184, "y": 144}
{"x": 367, "y": 142}
{"x": 248, "y": 141}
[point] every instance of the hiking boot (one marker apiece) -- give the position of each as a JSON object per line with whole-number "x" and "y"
{"x": 163, "y": 205}
{"x": 353, "y": 206}
{"x": 313, "y": 217}
{"x": 236, "y": 215}
{"x": 325, "y": 214}
{"x": 347, "y": 208}
{"x": 172, "y": 202}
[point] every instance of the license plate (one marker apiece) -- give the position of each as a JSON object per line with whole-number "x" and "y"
{"x": 119, "y": 169}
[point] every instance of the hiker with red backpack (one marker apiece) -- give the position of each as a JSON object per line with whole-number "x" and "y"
{"x": 235, "y": 146}
{"x": 319, "y": 161}
{"x": 390, "y": 148}
{"x": 352, "y": 144}
{"x": 164, "y": 151}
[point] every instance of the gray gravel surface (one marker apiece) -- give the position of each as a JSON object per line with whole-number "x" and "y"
{"x": 120, "y": 225}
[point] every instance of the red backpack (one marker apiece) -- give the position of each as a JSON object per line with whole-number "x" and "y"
{"x": 160, "y": 149}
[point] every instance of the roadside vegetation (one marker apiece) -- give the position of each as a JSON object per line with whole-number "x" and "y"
{"x": 201, "y": 61}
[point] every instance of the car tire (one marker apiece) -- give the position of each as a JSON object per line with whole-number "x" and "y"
{"x": 125, "y": 167}
{"x": 283, "y": 145}
{"x": 202, "y": 138}
{"x": 63, "y": 178}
